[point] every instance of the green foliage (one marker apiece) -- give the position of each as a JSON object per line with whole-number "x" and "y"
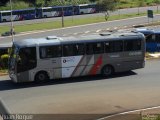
{"x": 158, "y": 118}
{"x": 141, "y": 3}
{"x": 16, "y": 5}
{"x": 107, "y": 5}
{"x": 40, "y": 3}
{"x": 4, "y": 61}
{"x": 156, "y": 1}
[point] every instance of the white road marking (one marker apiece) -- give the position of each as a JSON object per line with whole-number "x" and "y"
{"x": 108, "y": 29}
{"x": 98, "y": 30}
{"x": 115, "y": 27}
{"x": 75, "y": 33}
{"x": 128, "y": 112}
{"x": 87, "y": 32}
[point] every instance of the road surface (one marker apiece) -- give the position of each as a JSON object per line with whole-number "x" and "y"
{"x": 92, "y": 96}
{"x": 81, "y": 29}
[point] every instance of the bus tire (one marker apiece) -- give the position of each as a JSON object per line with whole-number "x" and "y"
{"x": 45, "y": 16}
{"x": 107, "y": 70}
{"x": 82, "y": 13}
{"x": 4, "y": 20}
{"x": 41, "y": 76}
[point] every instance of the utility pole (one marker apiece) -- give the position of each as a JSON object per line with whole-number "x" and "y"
{"x": 12, "y": 27}
{"x": 62, "y": 17}
{"x": 62, "y": 1}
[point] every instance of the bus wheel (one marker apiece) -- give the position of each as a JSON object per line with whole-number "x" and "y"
{"x": 107, "y": 70}
{"x": 82, "y": 13}
{"x": 4, "y": 20}
{"x": 41, "y": 77}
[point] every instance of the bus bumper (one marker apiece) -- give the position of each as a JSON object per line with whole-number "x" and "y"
{"x": 13, "y": 78}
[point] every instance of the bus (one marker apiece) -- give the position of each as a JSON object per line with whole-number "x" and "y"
{"x": 63, "y": 57}
{"x": 152, "y": 39}
{"x": 86, "y": 8}
{"x": 69, "y": 10}
{"x": 24, "y": 14}
{"x": 45, "y": 12}
{"x": 6, "y": 16}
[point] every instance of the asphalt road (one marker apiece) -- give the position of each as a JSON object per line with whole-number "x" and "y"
{"x": 117, "y": 12}
{"x": 92, "y": 96}
{"x": 81, "y": 29}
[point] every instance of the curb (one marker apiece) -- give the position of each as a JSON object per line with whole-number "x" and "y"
{"x": 3, "y": 74}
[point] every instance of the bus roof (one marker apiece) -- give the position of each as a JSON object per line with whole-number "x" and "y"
{"x": 4, "y": 46}
{"x": 5, "y": 11}
{"x": 157, "y": 31}
{"x": 148, "y": 31}
{"x": 25, "y": 9}
{"x": 53, "y": 40}
{"x": 44, "y": 8}
{"x": 86, "y": 4}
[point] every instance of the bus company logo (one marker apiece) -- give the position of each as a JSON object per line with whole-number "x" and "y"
{"x": 135, "y": 53}
{"x": 70, "y": 59}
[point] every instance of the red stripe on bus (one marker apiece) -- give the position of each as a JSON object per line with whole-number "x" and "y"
{"x": 96, "y": 66}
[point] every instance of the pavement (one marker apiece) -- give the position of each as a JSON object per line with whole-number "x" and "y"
{"x": 155, "y": 55}
{"x": 86, "y": 95}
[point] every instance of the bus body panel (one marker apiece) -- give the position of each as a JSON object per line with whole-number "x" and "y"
{"x": 152, "y": 39}
{"x": 51, "y": 14}
{"x": 24, "y": 14}
{"x": 87, "y": 11}
{"x": 8, "y": 18}
{"x": 86, "y": 8}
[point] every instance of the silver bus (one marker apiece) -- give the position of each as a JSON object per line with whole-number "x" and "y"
{"x": 63, "y": 57}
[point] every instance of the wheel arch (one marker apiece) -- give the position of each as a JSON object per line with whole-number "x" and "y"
{"x": 41, "y": 71}
{"x": 110, "y": 65}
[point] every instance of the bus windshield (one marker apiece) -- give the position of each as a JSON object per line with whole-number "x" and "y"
{"x": 23, "y": 58}
{"x": 26, "y": 59}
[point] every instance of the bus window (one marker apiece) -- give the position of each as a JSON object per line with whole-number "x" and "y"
{"x": 98, "y": 48}
{"x": 157, "y": 38}
{"x": 26, "y": 59}
{"x": 149, "y": 37}
{"x": 79, "y": 49}
{"x": 132, "y": 45}
{"x": 6, "y": 14}
{"x": 113, "y": 46}
{"x": 89, "y": 48}
{"x": 68, "y": 50}
{"x": 50, "y": 52}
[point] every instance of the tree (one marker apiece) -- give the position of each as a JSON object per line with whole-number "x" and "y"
{"x": 157, "y": 3}
{"x": 106, "y": 6}
{"x": 40, "y": 3}
{"x": 140, "y": 3}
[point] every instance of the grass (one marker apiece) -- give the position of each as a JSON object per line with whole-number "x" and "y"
{"x": 3, "y": 71}
{"x": 134, "y": 3}
{"x": 68, "y": 22}
{"x": 151, "y": 117}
